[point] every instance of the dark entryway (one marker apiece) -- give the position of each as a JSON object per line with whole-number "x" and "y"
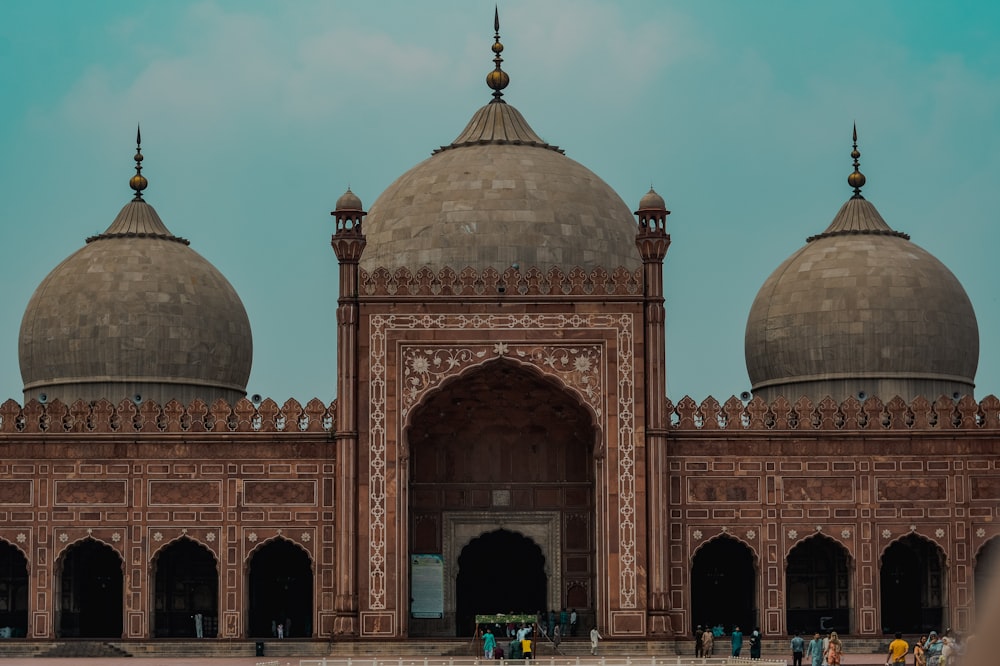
{"x": 187, "y": 585}
{"x": 723, "y": 581}
{"x": 987, "y": 570}
{"x": 817, "y": 587}
{"x": 912, "y": 587}
{"x": 90, "y": 604}
{"x": 281, "y": 591}
{"x": 499, "y": 572}
{"x": 13, "y": 592}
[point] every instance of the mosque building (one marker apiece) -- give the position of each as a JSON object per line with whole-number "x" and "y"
{"x": 501, "y": 415}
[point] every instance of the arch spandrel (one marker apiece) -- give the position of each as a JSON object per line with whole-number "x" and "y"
{"x": 799, "y": 539}
{"x": 912, "y": 532}
{"x": 276, "y": 538}
{"x": 110, "y": 537}
{"x": 576, "y": 368}
{"x": 725, "y": 534}
{"x": 160, "y": 546}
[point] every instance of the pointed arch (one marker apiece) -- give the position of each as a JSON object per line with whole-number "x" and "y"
{"x": 724, "y": 583}
{"x": 90, "y": 576}
{"x": 185, "y": 575}
{"x": 14, "y": 586}
{"x": 912, "y": 585}
{"x": 818, "y": 585}
{"x": 987, "y": 569}
{"x": 280, "y": 590}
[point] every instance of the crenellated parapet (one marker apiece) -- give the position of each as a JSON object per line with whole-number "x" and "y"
{"x": 852, "y": 414}
{"x": 101, "y": 416}
{"x": 491, "y": 283}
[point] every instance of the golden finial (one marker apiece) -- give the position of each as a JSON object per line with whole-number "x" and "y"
{"x": 138, "y": 182}
{"x": 856, "y": 179}
{"x": 497, "y": 79}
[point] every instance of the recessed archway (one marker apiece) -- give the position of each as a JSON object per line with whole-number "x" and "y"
{"x": 13, "y": 592}
{"x": 499, "y": 572}
{"x": 817, "y": 587}
{"x": 987, "y": 569}
{"x": 501, "y": 446}
{"x": 187, "y": 591}
{"x": 280, "y": 589}
{"x": 912, "y": 586}
{"x": 90, "y": 583}
{"x": 723, "y": 584}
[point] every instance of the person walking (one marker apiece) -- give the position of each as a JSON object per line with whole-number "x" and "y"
{"x": 572, "y": 622}
{"x": 526, "y": 648}
{"x": 815, "y": 650}
{"x": 919, "y": 655}
{"x": 595, "y": 636}
{"x": 697, "y": 641}
{"x": 736, "y": 639}
{"x": 834, "y": 650}
{"x": 897, "y": 650}
{"x": 707, "y": 642}
{"x": 755, "y": 640}
{"x": 798, "y": 647}
{"x": 489, "y": 644}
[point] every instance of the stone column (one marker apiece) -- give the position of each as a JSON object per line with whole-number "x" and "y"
{"x": 348, "y": 243}
{"x": 652, "y": 240}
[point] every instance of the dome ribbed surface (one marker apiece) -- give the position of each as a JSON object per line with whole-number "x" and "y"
{"x": 135, "y": 312}
{"x": 496, "y": 196}
{"x": 862, "y": 309}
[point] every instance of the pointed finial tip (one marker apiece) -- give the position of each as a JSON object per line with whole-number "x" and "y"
{"x": 856, "y": 179}
{"x": 138, "y": 182}
{"x": 498, "y": 79}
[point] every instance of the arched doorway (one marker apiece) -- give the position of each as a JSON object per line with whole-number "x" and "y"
{"x": 90, "y": 587}
{"x": 187, "y": 586}
{"x": 496, "y": 445}
{"x": 987, "y": 570}
{"x": 817, "y": 587}
{"x": 912, "y": 586}
{"x": 723, "y": 581}
{"x": 499, "y": 572}
{"x": 280, "y": 588}
{"x": 13, "y": 592}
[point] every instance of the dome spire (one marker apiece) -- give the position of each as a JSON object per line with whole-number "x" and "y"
{"x": 856, "y": 179}
{"x": 138, "y": 182}
{"x": 497, "y": 79}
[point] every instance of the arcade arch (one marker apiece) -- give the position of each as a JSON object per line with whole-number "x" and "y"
{"x": 187, "y": 585}
{"x": 724, "y": 584}
{"x": 818, "y": 586}
{"x": 503, "y": 446}
{"x": 280, "y": 590}
{"x": 90, "y": 575}
{"x": 987, "y": 563}
{"x": 13, "y": 592}
{"x": 912, "y": 585}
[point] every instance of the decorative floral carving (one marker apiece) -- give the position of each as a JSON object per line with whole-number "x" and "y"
{"x": 793, "y": 534}
{"x": 697, "y": 535}
{"x": 886, "y": 534}
{"x": 21, "y": 537}
{"x": 845, "y": 533}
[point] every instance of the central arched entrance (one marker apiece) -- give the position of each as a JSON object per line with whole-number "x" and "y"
{"x": 90, "y": 585}
{"x": 499, "y": 572}
{"x": 503, "y": 455}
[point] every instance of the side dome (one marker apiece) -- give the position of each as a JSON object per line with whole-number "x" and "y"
{"x": 497, "y": 196}
{"x": 135, "y": 313}
{"x": 860, "y": 311}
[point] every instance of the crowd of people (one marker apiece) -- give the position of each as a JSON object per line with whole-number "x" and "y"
{"x": 827, "y": 649}
{"x": 929, "y": 650}
{"x": 551, "y": 626}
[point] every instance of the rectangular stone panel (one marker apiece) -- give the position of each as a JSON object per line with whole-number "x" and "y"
{"x": 180, "y": 492}
{"x": 15, "y": 492}
{"x": 985, "y": 488}
{"x": 723, "y": 489}
{"x": 911, "y": 489}
{"x": 817, "y": 489}
{"x": 279, "y": 492}
{"x": 90, "y": 492}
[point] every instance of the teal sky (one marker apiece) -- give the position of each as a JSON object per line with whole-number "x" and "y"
{"x": 257, "y": 115}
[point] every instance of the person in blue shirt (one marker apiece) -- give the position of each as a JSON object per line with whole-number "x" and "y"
{"x": 815, "y": 650}
{"x": 798, "y": 647}
{"x": 737, "y": 640}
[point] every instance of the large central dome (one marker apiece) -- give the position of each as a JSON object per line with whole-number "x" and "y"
{"x": 499, "y": 195}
